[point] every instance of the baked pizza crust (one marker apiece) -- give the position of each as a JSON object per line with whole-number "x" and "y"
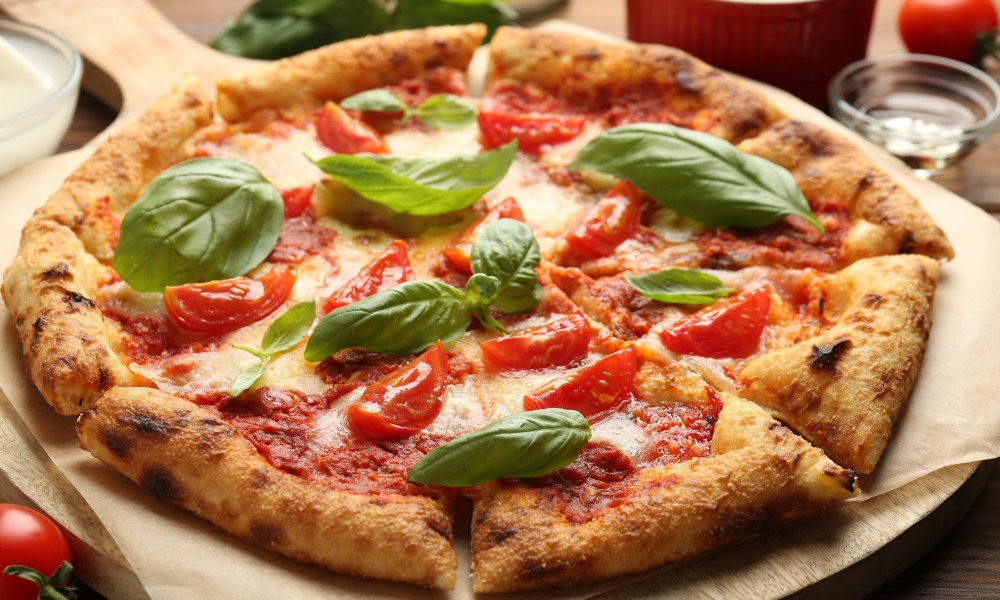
{"x": 50, "y": 287}
{"x": 886, "y": 219}
{"x": 182, "y": 454}
{"x": 844, "y": 389}
{"x": 340, "y": 70}
{"x": 586, "y": 72}
{"x": 760, "y": 475}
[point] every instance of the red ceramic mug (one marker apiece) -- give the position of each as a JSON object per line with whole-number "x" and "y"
{"x": 796, "y": 45}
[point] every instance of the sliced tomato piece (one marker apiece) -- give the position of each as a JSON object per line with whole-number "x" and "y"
{"x": 554, "y": 344}
{"x": 594, "y": 389}
{"x": 404, "y": 401}
{"x": 531, "y": 131}
{"x": 344, "y": 134}
{"x": 297, "y": 200}
{"x": 611, "y": 221}
{"x": 729, "y": 331}
{"x": 456, "y": 250}
{"x": 386, "y": 270}
{"x": 227, "y": 304}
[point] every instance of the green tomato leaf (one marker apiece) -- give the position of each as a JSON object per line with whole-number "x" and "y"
{"x": 404, "y": 319}
{"x": 412, "y": 14}
{"x": 421, "y": 186}
{"x": 248, "y": 376}
{"x": 272, "y": 29}
{"x": 679, "y": 286}
{"x": 288, "y": 329}
{"x": 508, "y": 251}
{"x": 445, "y": 111}
{"x": 378, "y": 100}
{"x": 193, "y": 223}
{"x": 698, "y": 175}
{"x": 525, "y": 444}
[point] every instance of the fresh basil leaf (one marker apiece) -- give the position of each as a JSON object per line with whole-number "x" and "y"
{"x": 508, "y": 251}
{"x": 379, "y": 100}
{"x": 445, "y": 111}
{"x": 698, "y": 175}
{"x": 525, "y": 444}
{"x": 411, "y": 14}
{"x": 406, "y": 318}
{"x": 480, "y": 291}
{"x": 679, "y": 286}
{"x": 200, "y": 220}
{"x": 289, "y": 329}
{"x": 271, "y": 29}
{"x": 249, "y": 376}
{"x": 421, "y": 186}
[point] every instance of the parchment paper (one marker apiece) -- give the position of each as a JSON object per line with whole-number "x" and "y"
{"x": 952, "y": 417}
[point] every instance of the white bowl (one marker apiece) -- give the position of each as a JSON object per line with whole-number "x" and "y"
{"x": 36, "y": 131}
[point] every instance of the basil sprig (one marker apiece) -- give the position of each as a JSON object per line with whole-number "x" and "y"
{"x": 193, "y": 223}
{"x": 271, "y": 29}
{"x": 415, "y": 314}
{"x": 679, "y": 286}
{"x": 421, "y": 186}
{"x": 440, "y": 111}
{"x": 698, "y": 175}
{"x": 284, "y": 333}
{"x": 525, "y": 444}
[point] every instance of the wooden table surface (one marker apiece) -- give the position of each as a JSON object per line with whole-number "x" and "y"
{"x": 966, "y": 563}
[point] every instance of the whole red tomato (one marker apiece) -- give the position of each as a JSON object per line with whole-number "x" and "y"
{"x": 30, "y": 539}
{"x": 948, "y": 28}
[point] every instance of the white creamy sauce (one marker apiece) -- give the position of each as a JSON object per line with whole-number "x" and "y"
{"x": 22, "y": 83}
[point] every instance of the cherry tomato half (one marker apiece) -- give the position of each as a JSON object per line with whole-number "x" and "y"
{"x": 297, "y": 200}
{"x": 729, "y": 331}
{"x": 531, "y": 131}
{"x": 344, "y": 134}
{"x": 456, "y": 250}
{"x": 30, "y": 539}
{"x": 948, "y": 28}
{"x": 608, "y": 223}
{"x": 386, "y": 270}
{"x": 404, "y": 401}
{"x": 554, "y": 344}
{"x": 227, "y": 304}
{"x": 594, "y": 389}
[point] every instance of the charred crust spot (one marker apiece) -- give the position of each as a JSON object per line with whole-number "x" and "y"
{"x": 104, "y": 379}
{"x": 148, "y": 425}
{"x": 38, "y": 325}
{"x": 397, "y": 58}
{"x": 871, "y": 300}
{"x": 259, "y": 478}
{"x": 825, "y": 356}
{"x": 592, "y": 54}
{"x": 866, "y": 181}
{"x": 114, "y": 441}
{"x": 532, "y": 570}
{"x": 500, "y": 536}
{"x": 266, "y": 534}
{"x": 907, "y": 243}
{"x": 19, "y": 320}
{"x": 850, "y": 480}
{"x": 58, "y": 272}
{"x": 688, "y": 83}
{"x": 77, "y": 300}
{"x": 161, "y": 483}
{"x": 440, "y": 527}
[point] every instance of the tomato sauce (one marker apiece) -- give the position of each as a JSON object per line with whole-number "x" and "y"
{"x": 300, "y": 238}
{"x": 602, "y": 477}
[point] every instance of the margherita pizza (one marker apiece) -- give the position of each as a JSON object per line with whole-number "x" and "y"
{"x": 619, "y": 303}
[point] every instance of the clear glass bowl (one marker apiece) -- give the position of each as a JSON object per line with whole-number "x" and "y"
{"x": 36, "y": 131}
{"x": 927, "y": 110}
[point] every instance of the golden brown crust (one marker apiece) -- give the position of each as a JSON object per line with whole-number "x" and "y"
{"x": 760, "y": 475}
{"x": 341, "y": 70}
{"x": 184, "y": 455}
{"x": 587, "y": 71}
{"x": 887, "y": 219}
{"x": 844, "y": 389}
{"x": 50, "y": 287}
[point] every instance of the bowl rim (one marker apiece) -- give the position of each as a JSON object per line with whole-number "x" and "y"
{"x": 68, "y": 87}
{"x": 837, "y": 103}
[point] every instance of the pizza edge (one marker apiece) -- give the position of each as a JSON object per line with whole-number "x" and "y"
{"x": 760, "y": 475}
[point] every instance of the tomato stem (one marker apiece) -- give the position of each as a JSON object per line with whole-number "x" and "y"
{"x": 49, "y": 588}
{"x": 986, "y": 46}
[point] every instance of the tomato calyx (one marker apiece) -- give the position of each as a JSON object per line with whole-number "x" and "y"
{"x": 388, "y": 269}
{"x": 53, "y": 587}
{"x": 221, "y": 306}
{"x": 595, "y": 390}
{"x": 731, "y": 330}
{"x": 558, "y": 343}
{"x": 404, "y": 401}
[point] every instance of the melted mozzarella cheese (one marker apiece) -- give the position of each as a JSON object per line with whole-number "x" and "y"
{"x": 622, "y": 431}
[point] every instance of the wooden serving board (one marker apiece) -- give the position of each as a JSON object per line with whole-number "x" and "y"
{"x": 133, "y": 55}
